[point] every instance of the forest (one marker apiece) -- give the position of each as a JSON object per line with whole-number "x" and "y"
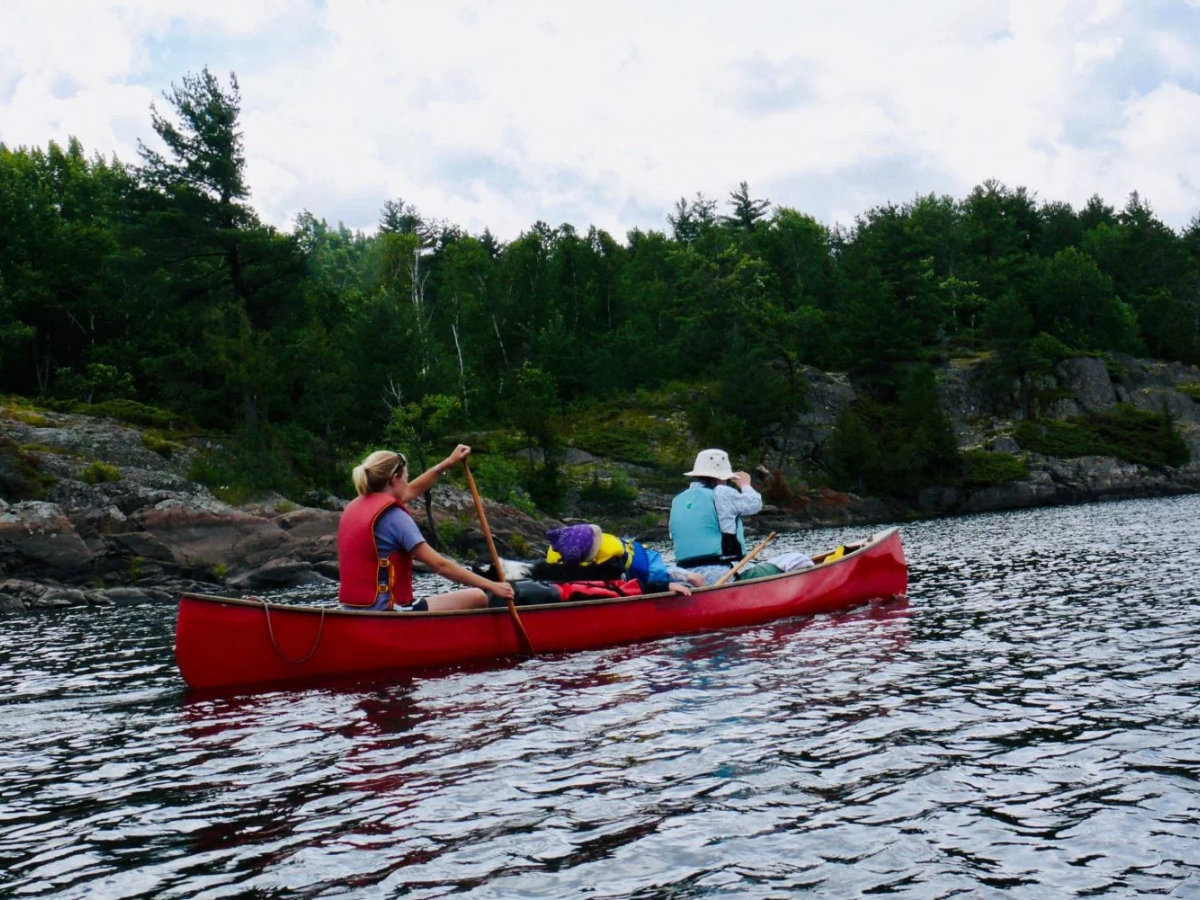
{"x": 153, "y": 289}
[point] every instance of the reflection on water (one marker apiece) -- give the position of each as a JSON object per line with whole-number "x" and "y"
{"x": 1024, "y": 725}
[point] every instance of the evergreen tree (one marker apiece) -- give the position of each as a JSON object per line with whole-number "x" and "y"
{"x": 233, "y": 278}
{"x": 399, "y": 217}
{"x": 1074, "y": 301}
{"x": 1061, "y": 228}
{"x": 204, "y": 172}
{"x": 746, "y": 210}
{"x": 161, "y": 280}
{"x": 1001, "y": 230}
{"x": 1150, "y": 271}
{"x": 1094, "y": 213}
{"x": 61, "y": 257}
{"x": 690, "y": 220}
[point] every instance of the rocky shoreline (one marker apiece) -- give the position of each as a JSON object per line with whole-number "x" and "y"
{"x": 150, "y": 532}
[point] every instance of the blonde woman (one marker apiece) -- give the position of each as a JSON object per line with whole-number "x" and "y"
{"x": 378, "y": 541}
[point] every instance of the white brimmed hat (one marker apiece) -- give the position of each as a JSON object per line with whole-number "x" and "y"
{"x": 712, "y": 464}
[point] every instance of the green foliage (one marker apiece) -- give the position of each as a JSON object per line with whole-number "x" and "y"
{"x": 1153, "y": 270}
{"x": 856, "y": 454}
{"x": 618, "y": 438}
{"x": 499, "y": 478}
{"x": 520, "y": 546}
{"x": 159, "y": 442}
{"x": 746, "y": 211}
{"x": 614, "y": 492}
{"x": 137, "y": 289}
{"x": 1127, "y": 433}
{"x": 1192, "y": 389}
{"x": 895, "y": 449}
{"x": 630, "y": 430}
{"x": 1007, "y": 325}
{"x": 205, "y": 146}
{"x": 278, "y": 458}
{"x": 98, "y": 382}
{"x": 13, "y": 332}
{"x": 1142, "y": 437}
{"x": 417, "y": 429}
{"x": 99, "y": 472}
{"x": 1075, "y": 302}
{"x": 1062, "y": 439}
{"x": 219, "y": 472}
{"x": 1047, "y": 351}
{"x": 535, "y": 403}
{"x": 544, "y": 486}
{"x": 692, "y": 219}
{"x": 982, "y": 468}
{"x": 233, "y": 286}
{"x": 133, "y": 412}
{"x": 27, "y": 415}
{"x": 452, "y": 531}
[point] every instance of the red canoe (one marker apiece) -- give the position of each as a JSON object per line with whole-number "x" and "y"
{"x": 222, "y": 642}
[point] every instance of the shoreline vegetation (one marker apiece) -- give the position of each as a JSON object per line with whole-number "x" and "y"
{"x": 113, "y": 511}
{"x": 184, "y": 388}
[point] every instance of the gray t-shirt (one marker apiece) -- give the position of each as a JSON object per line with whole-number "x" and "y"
{"x": 396, "y": 530}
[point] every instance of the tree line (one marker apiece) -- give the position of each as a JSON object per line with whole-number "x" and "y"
{"x": 157, "y": 282}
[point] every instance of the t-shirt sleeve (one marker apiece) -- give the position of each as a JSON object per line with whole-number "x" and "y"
{"x": 731, "y": 503}
{"x": 396, "y": 529}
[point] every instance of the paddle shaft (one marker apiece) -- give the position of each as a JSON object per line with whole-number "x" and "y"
{"x": 522, "y": 637}
{"x": 745, "y": 559}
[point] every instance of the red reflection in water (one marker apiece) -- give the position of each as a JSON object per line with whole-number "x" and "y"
{"x": 389, "y": 726}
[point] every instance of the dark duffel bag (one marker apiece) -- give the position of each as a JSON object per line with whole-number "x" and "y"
{"x": 530, "y": 592}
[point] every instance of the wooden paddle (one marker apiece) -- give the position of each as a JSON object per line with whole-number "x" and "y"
{"x": 522, "y": 637}
{"x": 745, "y": 559}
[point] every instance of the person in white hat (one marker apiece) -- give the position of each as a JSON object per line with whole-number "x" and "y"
{"x": 706, "y": 519}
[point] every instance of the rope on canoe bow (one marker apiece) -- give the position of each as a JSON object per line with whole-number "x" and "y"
{"x": 271, "y": 633}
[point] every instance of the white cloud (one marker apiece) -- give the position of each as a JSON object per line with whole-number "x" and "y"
{"x": 1161, "y": 128}
{"x": 1177, "y": 53}
{"x": 497, "y": 114}
{"x": 1088, "y": 53}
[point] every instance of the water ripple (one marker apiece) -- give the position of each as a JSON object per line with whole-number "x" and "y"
{"x": 1025, "y": 726}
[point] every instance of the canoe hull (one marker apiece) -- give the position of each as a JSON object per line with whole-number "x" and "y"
{"x": 225, "y": 642}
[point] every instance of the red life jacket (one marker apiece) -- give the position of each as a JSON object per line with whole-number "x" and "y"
{"x": 359, "y": 565}
{"x": 590, "y": 590}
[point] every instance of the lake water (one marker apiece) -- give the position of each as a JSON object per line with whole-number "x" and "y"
{"x": 1026, "y": 725}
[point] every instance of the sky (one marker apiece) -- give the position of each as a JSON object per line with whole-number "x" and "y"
{"x": 499, "y": 115}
